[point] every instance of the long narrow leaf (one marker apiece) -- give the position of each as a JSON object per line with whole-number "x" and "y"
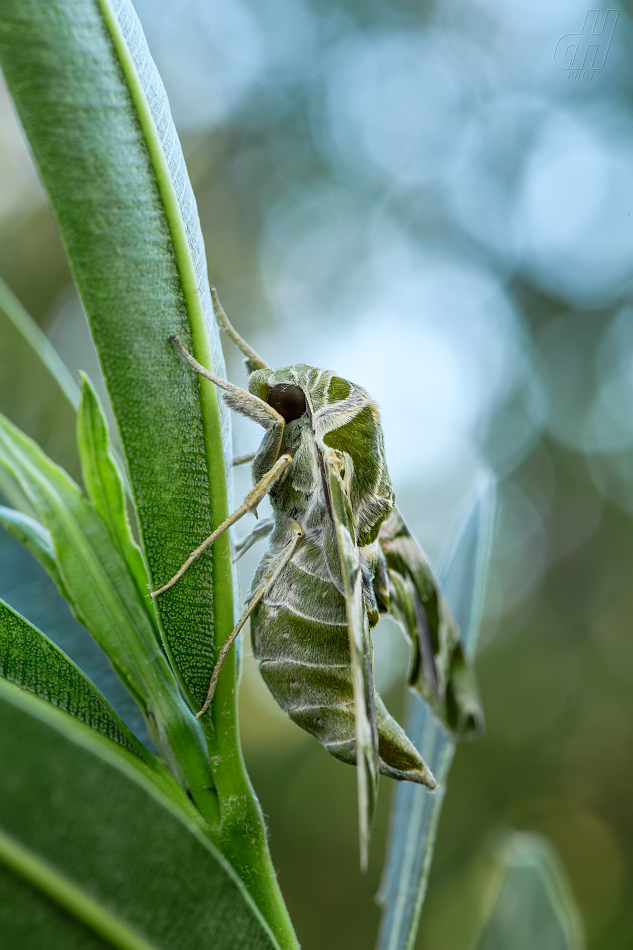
{"x": 37, "y": 392}
{"x": 416, "y": 811}
{"x": 98, "y": 121}
{"x": 29, "y": 919}
{"x": 104, "y": 486}
{"x": 35, "y": 539}
{"x": 32, "y": 661}
{"x": 97, "y": 118}
{"x": 76, "y": 646}
{"x": 94, "y": 576}
{"x": 81, "y": 824}
{"x": 26, "y": 586}
{"x": 106, "y": 600}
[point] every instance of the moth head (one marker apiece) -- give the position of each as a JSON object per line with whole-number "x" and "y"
{"x": 295, "y": 391}
{"x": 282, "y": 389}
{"x": 289, "y": 400}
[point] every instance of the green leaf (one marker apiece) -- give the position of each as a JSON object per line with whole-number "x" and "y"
{"x": 28, "y": 588}
{"x": 82, "y": 825}
{"x": 32, "y": 661}
{"x": 529, "y": 904}
{"x": 94, "y": 576}
{"x": 104, "y": 486}
{"x": 96, "y": 115}
{"x": 106, "y": 600}
{"x": 416, "y": 811}
{"x": 97, "y": 120}
{"x": 29, "y": 919}
{"x": 37, "y": 392}
{"x": 35, "y": 539}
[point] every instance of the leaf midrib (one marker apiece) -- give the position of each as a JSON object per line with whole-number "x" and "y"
{"x": 68, "y": 895}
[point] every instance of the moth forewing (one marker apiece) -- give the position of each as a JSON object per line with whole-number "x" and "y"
{"x": 359, "y": 648}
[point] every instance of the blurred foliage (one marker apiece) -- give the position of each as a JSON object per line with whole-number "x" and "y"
{"x": 523, "y": 897}
{"x": 311, "y": 223}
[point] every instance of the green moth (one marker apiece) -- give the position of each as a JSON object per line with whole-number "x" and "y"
{"x": 339, "y": 555}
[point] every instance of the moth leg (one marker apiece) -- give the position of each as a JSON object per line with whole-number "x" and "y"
{"x": 247, "y": 404}
{"x": 261, "y": 531}
{"x": 271, "y": 574}
{"x": 235, "y": 397}
{"x": 243, "y": 459}
{"x": 251, "y": 501}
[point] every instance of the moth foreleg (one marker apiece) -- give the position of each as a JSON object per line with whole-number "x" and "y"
{"x": 251, "y": 501}
{"x": 234, "y": 396}
{"x": 270, "y": 575}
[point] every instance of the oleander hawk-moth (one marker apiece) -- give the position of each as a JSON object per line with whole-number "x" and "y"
{"x": 339, "y": 555}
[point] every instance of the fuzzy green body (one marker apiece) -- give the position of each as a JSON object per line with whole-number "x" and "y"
{"x": 299, "y": 630}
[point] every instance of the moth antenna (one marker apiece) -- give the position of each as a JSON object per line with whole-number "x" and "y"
{"x": 253, "y": 361}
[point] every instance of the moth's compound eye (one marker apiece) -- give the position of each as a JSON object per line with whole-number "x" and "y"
{"x": 289, "y": 401}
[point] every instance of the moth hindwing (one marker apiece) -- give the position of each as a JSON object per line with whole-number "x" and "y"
{"x": 440, "y": 671}
{"x": 339, "y": 554}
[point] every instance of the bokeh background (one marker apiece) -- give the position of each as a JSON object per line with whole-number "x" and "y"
{"x": 424, "y": 198}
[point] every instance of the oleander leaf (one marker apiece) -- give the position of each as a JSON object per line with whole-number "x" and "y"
{"x": 37, "y": 392}
{"x": 85, "y": 830}
{"x": 416, "y": 811}
{"x": 104, "y": 597}
{"x": 94, "y": 576}
{"x": 29, "y": 589}
{"x": 32, "y": 661}
{"x": 98, "y": 122}
{"x": 29, "y": 919}
{"x": 35, "y": 539}
{"x": 104, "y": 487}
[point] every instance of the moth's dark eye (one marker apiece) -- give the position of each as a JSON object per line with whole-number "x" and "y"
{"x": 289, "y": 401}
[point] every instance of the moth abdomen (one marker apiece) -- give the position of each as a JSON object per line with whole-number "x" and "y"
{"x": 298, "y": 686}
{"x": 305, "y": 662}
